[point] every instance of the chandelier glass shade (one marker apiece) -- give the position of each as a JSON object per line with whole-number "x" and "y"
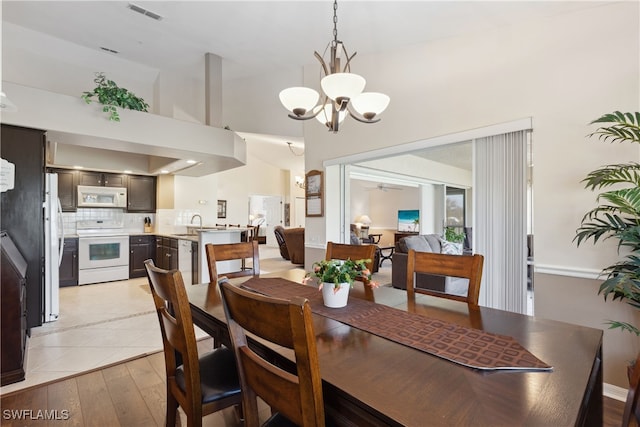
{"x": 342, "y": 91}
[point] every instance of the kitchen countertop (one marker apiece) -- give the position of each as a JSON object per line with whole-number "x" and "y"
{"x": 181, "y": 236}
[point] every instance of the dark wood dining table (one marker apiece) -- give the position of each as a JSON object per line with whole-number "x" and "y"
{"x": 370, "y": 380}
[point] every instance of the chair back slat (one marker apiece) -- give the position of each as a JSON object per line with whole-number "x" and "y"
{"x": 297, "y": 395}
{"x": 463, "y": 266}
{"x": 353, "y": 252}
{"x": 233, "y": 251}
{"x": 176, "y": 325}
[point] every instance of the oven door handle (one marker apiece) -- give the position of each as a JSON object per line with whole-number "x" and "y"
{"x": 61, "y": 236}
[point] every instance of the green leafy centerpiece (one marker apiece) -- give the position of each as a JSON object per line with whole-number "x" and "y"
{"x": 335, "y": 277}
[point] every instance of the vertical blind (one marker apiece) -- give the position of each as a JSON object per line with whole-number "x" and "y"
{"x": 500, "y": 229}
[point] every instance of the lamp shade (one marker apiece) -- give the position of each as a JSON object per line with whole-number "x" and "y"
{"x": 324, "y": 117}
{"x": 370, "y": 103}
{"x": 342, "y": 85}
{"x": 299, "y": 100}
{"x": 364, "y": 219}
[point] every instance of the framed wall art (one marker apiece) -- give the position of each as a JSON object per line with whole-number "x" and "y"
{"x": 314, "y": 193}
{"x": 222, "y": 208}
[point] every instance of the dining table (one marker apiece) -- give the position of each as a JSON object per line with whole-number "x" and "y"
{"x": 373, "y": 378}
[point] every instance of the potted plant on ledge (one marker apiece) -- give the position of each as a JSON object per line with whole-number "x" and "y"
{"x": 111, "y": 96}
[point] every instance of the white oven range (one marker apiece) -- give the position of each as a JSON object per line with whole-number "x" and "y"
{"x": 103, "y": 251}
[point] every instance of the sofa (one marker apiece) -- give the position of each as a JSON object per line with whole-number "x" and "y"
{"x": 425, "y": 243}
{"x": 294, "y": 240}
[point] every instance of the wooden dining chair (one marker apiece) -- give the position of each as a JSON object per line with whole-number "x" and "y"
{"x": 233, "y": 251}
{"x": 200, "y": 385}
{"x": 353, "y": 252}
{"x": 296, "y": 396}
{"x": 631, "y": 415}
{"x": 452, "y": 266}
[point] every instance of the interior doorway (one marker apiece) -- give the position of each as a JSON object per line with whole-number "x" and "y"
{"x": 269, "y": 211}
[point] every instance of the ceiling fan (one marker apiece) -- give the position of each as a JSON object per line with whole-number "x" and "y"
{"x": 385, "y": 187}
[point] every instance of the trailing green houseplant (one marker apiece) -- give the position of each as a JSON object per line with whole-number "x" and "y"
{"x": 618, "y": 214}
{"x": 111, "y": 96}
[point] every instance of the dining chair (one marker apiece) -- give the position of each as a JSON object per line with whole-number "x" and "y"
{"x": 200, "y": 385}
{"x": 458, "y": 266}
{"x": 233, "y": 251}
{"x": 354, "y": 252}
{"x": 295, "y": 397}
{"x": 631, "y": 415}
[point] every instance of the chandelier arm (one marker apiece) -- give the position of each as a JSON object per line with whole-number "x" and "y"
{"x": 347, "y": 66}
{"x": 313, "y": 115}
{"x": 357, "y": 116}
{"x": 324, "y": 64}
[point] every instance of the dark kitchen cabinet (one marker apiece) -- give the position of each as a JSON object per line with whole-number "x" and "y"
{"x": 13, "y": 311}
{"x": 67, "y": 189}
{"x": 22, "y": 214}
{"x": 69, "y": 264}
{"x": 167, "y": 253}
{"x": 195, "y": 265}
{"x": 102, "y": 179}
{"x": 141, "y": 194}
{"x": 141, "y": 248}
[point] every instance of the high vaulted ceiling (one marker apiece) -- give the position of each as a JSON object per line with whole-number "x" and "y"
{"x": 254, "y": 37}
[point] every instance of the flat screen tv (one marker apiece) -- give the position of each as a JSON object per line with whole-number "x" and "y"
{"x": 409, "y": 220}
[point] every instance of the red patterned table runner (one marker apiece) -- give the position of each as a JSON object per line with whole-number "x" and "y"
{"x": 466, "y": 346}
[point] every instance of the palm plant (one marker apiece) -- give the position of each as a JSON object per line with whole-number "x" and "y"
{"x": 618, "y": 214}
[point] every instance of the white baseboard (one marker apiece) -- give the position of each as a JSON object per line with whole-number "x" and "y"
{"x": 614, "y": 392}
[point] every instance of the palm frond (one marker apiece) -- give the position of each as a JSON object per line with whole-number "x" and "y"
{"x": 628, "y": 173}
{"x": 626, "y": 127}
{"x": 628, "y": 327}
{"x": 626, "y": 201}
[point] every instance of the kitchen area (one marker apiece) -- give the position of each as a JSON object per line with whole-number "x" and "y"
{"x": 110, "y": 230}
{"x": 80, "y": 229}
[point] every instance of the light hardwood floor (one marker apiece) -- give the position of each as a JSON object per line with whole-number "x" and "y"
{"x": 133, "y": 394}
{"x": 126, "y": 394}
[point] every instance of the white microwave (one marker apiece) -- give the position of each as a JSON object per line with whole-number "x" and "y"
{"x": 101, "y": 197}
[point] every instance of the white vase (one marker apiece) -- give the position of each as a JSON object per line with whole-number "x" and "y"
{"x": 335, "y": 298}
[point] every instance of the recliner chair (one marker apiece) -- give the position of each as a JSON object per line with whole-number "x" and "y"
{"x": 279, "y": 232}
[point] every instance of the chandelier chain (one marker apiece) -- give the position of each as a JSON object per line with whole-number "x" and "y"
{"x": 335, "y": 21}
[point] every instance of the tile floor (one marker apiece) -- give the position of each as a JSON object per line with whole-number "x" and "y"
{"x": 106, "y": 323}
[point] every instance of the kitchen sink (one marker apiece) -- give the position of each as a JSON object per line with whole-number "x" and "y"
{"x": 186, "y": 235}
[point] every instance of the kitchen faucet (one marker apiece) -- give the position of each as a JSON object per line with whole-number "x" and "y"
{"x": 197, "y": 215}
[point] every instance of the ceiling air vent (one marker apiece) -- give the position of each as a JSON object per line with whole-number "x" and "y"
{"x": 106, "y": 49}
{"x": 145, "y": 12}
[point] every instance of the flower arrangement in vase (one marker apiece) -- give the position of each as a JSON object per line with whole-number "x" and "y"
{"x": 335, "y": 277}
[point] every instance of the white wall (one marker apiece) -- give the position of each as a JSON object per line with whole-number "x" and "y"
{"x": 562, "y": 71}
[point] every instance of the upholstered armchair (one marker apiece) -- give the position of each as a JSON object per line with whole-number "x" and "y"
{"x": 294, "y": 239}
{"x": 279, "y": 232}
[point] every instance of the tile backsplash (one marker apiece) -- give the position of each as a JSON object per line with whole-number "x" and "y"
{"x": 133, "y": 222}
{"x": 165, "y": 221}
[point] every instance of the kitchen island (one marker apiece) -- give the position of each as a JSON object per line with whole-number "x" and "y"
{"x": 217, "y": 235}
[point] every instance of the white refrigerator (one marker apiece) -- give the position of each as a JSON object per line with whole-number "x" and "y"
{"x": 54, "y": 241}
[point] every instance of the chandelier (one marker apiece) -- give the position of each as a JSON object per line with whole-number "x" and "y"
{"x": 342, "y": 91}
